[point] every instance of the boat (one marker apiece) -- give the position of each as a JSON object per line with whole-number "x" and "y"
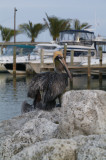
{"x": 48, "y": 48}
{"x": 47, "y": 51}
{"x": 80, "y": 41}
{"x": 23, "y": 55}
{"x": 100, "y": 41}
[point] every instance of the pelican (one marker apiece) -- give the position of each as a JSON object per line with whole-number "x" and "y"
{"x": 46, "y": 87}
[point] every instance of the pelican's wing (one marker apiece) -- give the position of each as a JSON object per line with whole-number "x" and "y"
{"x": 39, "y": 82}
{"x": 57, "y": 84}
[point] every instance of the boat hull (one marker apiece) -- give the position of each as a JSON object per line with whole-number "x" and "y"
{"x": 3, "y": 69}
{"x": 20, "y": 68}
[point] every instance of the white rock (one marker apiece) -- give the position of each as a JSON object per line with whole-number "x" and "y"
{"x": 33, "y": 131}
{"x": 79, "y": 148}
{"x": 84, "y": 112}
{"x": 31, "y": 135}
{"x": 53, "y": 149}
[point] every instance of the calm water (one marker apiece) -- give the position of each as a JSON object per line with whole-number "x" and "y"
{"x": 14, "y": 92}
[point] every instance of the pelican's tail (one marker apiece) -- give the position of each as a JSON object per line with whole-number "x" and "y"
{"x": 26, "y": 107}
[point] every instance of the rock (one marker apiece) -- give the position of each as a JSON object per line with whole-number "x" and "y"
{"x": 53, "y": 149}
{"x": 74, "y": 131}
{"x": 84, "y": 113}
{"x": 91, "y": 147}
{"x": 33, "y": 131}
{"x": 78, "y": 148}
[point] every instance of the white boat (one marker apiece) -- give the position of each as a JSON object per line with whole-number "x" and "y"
{"x": 101, "y": 42}
{"x": 48, "y": 48}
{"x": 23, "y": 55}
{"x": 80, "y": 41}
{"x": 77, "y": 40}
{"x": 94, "y": 62}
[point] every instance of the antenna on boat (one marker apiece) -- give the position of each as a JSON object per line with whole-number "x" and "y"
{"x": 95, "y": 23}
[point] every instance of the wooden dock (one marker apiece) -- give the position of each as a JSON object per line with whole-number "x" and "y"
{"x": 74, "y": 68}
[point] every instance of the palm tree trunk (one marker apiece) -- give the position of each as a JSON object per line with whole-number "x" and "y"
{"x": 32, "y": 40}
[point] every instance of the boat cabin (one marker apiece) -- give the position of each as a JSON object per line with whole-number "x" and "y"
{"x": 76, "y": 37}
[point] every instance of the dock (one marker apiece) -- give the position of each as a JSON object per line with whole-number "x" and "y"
{"x": 75, "y": 68}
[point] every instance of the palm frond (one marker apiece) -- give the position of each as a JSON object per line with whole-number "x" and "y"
{"x": 55, "y": 25}
{"x": 7, "y": 33}
{"x": 31, "y": 30}
{"x": 78, "y": 25}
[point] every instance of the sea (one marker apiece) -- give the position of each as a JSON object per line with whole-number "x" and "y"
{"x": 13, "y": 91}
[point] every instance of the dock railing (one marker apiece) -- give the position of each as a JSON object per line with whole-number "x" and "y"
{"x": 74, "y": 68}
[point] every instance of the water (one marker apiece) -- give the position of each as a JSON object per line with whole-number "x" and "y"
{"x": 14, "y": 91}
{"x": 12, "y": 94}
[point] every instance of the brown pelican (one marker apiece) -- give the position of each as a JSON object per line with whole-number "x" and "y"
{"x": 45, "y": 87}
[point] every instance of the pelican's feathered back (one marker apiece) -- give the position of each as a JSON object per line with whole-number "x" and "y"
{"x": 49, "y": 83}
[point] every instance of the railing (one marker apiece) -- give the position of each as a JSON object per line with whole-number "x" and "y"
{"x": 71, "y": 64}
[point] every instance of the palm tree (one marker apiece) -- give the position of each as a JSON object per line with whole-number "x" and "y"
{"x": 7, "y": 33}
{"x": 78, "y": 26}
{"x": 55, "y": 25}
{"x": 31, "y": 30}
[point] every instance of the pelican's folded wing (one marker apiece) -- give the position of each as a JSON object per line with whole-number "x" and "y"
{"x": 38, "y": 83}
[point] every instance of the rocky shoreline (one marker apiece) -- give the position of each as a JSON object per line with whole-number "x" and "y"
{"x": 76, "y": 131}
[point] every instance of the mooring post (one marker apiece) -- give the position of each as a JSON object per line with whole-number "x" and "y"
{"x": 14, "y": 81}
{"x": 100, "y": 73}
{"x": 72, "y": 57}
{"x": 14, "y": 61}
{"x": 100, "y": 52}
{"x": 1, "y": 50}
{"x": 89, "y": 82}
{"x": 42, "y": 58}
{"x": 89, "y": 61}
{"x": 65, "y": 51}
{"x": 70, "y": 84}
{"x": 14, "y": 54}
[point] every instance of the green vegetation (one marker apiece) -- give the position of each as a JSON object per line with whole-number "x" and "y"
{"x": 55, "y": 25}
{"x": 31, "y": 30}
{"x": 52, "y": 23}
{"x": 7, "y": 33}
{"x": 78, "y": 25}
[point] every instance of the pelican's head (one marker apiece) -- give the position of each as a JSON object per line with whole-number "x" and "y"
{"x": 60, "y": 63}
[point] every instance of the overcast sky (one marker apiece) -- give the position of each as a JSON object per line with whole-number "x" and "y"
{"x": 91, "y": 11}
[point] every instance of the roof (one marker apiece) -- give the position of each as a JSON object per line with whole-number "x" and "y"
{"x": 71, "y": 30}
{"x": 22, "y": 46}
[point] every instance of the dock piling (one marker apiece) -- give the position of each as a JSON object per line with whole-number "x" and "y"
{"x": 42, "y": 57}
{"x": 72, "y": 57}
{"x": 65, "y": 51}
{"x": 14, "y": 61}
{"x": 89, "y": 61}
{"x": 100, "y": 52}
{"x": 100, "y": 73}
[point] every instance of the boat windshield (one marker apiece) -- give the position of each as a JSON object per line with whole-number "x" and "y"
{"x": 80, "y": 53}
{"x": 47, "y": 47}
{"x": 76, "y": 36}
{"x": 20, "y": 50}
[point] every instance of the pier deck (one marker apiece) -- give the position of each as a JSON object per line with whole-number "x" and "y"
{"x": 74, "y": 68}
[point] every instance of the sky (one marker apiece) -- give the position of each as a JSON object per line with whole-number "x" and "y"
{"x": 90, "y": 11}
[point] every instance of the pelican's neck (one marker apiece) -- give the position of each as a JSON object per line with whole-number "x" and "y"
{"x": 58, "y": 67}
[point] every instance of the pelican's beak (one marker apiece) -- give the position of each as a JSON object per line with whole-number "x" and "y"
{"x": 65, "y": 67}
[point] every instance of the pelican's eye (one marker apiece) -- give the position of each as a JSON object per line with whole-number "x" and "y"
{"x": 60, "y": 57}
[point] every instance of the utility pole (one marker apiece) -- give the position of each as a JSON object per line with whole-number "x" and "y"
{"x": 15, "y": 24}
{"x": 14, "y": 54}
